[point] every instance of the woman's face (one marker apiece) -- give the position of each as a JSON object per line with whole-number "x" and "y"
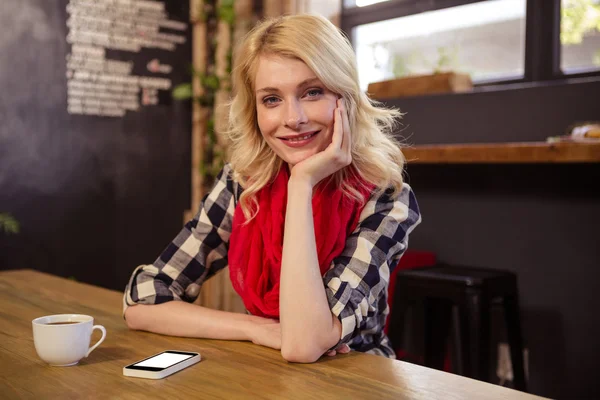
{"x": 294, "y": 109}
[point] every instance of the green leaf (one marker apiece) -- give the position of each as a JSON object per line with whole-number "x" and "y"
{"x": 183, "y": 91}
{"x": 212, "y": 138}
{"x": 207, "y": 100}
{"x": 9, "y": 224}
{"x": 211, "y": 82}
{"x": 578, "y": 18}
{"x": 201, "y": 16}
{"x": 227, "y": 14}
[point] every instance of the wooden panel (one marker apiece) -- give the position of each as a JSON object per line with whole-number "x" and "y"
{"x": 228, "y": 369}
{"x": 532, "y": 152}
{"x": 218, "y": 293}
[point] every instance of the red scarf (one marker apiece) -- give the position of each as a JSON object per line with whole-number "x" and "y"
{"x": 255, "y": 249}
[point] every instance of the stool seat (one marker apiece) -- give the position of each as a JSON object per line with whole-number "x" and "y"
{"x": 450, "y": 281}
{"x": 463, "y": 295}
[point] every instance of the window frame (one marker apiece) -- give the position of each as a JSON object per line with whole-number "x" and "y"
{"x": 542, "y": 33}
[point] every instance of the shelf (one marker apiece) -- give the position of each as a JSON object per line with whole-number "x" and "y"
{"x": 503, "y": 153}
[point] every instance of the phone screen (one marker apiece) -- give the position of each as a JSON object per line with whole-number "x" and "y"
{"x": 163, "y": 360}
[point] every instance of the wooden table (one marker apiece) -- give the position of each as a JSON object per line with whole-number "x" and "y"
{"x": 228, "y": 369}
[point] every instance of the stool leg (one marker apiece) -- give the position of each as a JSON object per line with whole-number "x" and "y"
{"x": 457, "y": 330}
{"x": 438, "y": 313}
{"x": 515, "y": 341}
{"x": 478, "y": 319}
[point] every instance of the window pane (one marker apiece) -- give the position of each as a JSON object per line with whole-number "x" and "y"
{"x": 485, "y": 39}
{"x": 580, "y": 35}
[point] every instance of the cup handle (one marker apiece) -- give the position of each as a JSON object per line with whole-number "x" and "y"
{"x": 100, "y": 327}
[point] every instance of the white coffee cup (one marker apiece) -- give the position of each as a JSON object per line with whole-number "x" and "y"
{"x": 64, "y": 339}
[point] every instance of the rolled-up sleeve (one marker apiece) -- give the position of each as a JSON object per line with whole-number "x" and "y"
{"x": 357, "y": 282}
{"x": 196, "y": 253}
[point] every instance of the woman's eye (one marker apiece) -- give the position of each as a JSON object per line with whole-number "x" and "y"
{"x": 270, "y": 100}
{"x": 314, "y": 92}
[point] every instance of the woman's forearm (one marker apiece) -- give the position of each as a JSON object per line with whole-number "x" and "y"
{"x": 178, "y": 318}
{"x": 308, "y": 328}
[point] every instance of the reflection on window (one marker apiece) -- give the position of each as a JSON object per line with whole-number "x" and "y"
{"x": 485, "y": 39}
{"x": 580, "y": 35}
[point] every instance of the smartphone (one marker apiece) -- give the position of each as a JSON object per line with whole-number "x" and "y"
{"x": 162, "y": 364}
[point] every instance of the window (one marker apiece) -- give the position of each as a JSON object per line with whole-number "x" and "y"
{"x": 485, "y": 39}
{"x": 495, "y": 41}
{"x": 580, "y": 36}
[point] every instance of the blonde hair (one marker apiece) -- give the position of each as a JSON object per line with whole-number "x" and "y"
{"x": 376, "y": 155}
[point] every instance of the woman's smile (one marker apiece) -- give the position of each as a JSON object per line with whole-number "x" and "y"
{"x": 299, "y": 140}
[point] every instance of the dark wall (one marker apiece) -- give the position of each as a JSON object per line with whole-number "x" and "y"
{"x": 95, "y": 196}
{"x": 540, "y": 221}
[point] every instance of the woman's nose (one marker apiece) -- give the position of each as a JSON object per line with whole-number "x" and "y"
{"x": 295, "y": 115}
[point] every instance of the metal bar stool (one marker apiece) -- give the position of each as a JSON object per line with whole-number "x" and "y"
{"x": 461, "y": 297}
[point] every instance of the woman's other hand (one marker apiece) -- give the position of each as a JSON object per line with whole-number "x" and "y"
{"x": 335, "y": 157}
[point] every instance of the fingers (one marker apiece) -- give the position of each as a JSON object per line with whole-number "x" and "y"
{"x": 343, "y": 349}
{"x": 338, "y": 126}
{"x": 345, "y": 122}
{"x": 342, "y": 140}
{"x": 347, "y": 139}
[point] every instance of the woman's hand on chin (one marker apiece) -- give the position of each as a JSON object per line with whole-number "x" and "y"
{"x": 335, "y": 157}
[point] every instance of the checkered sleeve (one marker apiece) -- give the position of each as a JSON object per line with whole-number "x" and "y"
{"x": 358, "y": 280}
{"x": 197, "y": 253}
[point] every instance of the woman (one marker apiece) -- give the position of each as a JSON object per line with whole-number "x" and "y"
{"x": 310, "y": 214}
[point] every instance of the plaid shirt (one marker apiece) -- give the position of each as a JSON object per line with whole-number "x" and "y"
{"x": 356, "y": 283}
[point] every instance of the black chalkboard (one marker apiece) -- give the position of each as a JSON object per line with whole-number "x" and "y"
{"x": 95, "y": 195}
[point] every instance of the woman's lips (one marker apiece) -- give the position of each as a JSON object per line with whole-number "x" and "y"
{"x": 300, "y": 142}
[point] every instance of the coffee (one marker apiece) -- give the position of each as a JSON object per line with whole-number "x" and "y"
{"x": 63, "y": 323}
